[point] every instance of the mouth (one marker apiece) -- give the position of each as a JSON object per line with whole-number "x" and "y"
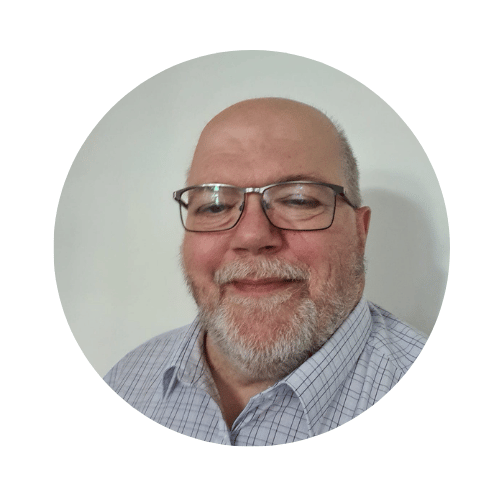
{"x": 263, "y": 286}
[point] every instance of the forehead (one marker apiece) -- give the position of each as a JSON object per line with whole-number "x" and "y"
{"x": 261, "y": 148}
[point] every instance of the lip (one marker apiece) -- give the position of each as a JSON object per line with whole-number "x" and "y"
{"x": 260, "y": 286}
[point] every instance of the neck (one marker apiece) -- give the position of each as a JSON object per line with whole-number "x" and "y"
{"x": 234, "y": 388}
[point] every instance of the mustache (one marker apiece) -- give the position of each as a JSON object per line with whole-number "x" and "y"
{"x": 260, "y": 269}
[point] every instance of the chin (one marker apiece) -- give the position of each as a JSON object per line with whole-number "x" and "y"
{"x": 261, "y": 322}
{"x": 263, "y": 339}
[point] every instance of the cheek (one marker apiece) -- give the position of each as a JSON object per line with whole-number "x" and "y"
{"x": 316, "y": 250}
{"x": 201, "y": 254}
{"x": 323, "y": 252}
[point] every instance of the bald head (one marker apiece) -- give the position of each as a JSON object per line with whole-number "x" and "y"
{"x": 272, "y": 112}
{"x": 275, "y": 126}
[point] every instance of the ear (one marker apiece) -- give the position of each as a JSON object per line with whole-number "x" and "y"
{"x": 363, "y": 216}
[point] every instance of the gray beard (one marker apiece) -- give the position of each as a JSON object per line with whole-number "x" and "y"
{"x": 233, "y": 322}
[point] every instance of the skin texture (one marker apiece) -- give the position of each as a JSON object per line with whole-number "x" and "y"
{"x": 251, "y": 144}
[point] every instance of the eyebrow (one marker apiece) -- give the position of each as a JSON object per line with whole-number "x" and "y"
{"x": 301, "y": 177}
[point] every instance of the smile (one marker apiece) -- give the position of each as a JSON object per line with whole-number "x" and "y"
{"x": 257, "y": 287}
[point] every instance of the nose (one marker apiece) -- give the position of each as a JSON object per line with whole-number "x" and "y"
{"x": 254, "y": 233}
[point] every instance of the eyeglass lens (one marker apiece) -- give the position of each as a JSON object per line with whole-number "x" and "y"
{"x": 287, "y": 206}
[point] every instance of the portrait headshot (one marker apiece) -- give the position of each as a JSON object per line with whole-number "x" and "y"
{"x": 251, "y": 248}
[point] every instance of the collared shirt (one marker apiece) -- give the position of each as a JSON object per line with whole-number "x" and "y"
{"x": 167, "y": 380}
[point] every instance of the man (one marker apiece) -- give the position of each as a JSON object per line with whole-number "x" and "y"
{"x": 285, "y": 347}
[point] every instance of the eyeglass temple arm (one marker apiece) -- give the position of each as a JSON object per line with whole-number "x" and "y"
{"x": 344, "y": 196}
{"x": 177, "y": 197}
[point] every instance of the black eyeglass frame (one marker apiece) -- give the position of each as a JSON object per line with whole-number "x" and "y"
{"x": 339, "y": 190}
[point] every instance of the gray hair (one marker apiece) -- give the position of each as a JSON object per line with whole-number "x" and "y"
{"x": 349, "y": 168}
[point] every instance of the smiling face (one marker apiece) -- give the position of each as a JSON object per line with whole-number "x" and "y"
{"x": 265, "y": 293}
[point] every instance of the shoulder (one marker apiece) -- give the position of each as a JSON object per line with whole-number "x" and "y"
{"x": 157, "y": 353}
{"x": 393, "y": 339}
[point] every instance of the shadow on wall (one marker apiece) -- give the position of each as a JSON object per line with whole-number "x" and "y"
{"x": 407, "y": 264}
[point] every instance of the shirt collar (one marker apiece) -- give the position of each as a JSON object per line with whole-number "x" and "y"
{"x": 317, "y": 380}
{"x": 185, "y": 361}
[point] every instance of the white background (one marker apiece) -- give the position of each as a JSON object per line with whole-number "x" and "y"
{"x": 118, "y": 231}
{"x": 65, "y": 436}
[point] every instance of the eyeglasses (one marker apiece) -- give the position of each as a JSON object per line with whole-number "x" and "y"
{"x": 297, "y": 205}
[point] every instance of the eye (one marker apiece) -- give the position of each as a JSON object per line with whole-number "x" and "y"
{"x": 300, "y": 202}
{"x": 212, "y": 208}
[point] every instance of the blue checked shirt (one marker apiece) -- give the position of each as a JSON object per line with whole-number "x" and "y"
{"x": 167, "y": 380}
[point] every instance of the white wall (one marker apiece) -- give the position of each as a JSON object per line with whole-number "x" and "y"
{"x": 118, "y": 232}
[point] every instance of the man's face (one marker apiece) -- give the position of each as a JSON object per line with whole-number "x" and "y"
{"x": 255, "y": 148}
